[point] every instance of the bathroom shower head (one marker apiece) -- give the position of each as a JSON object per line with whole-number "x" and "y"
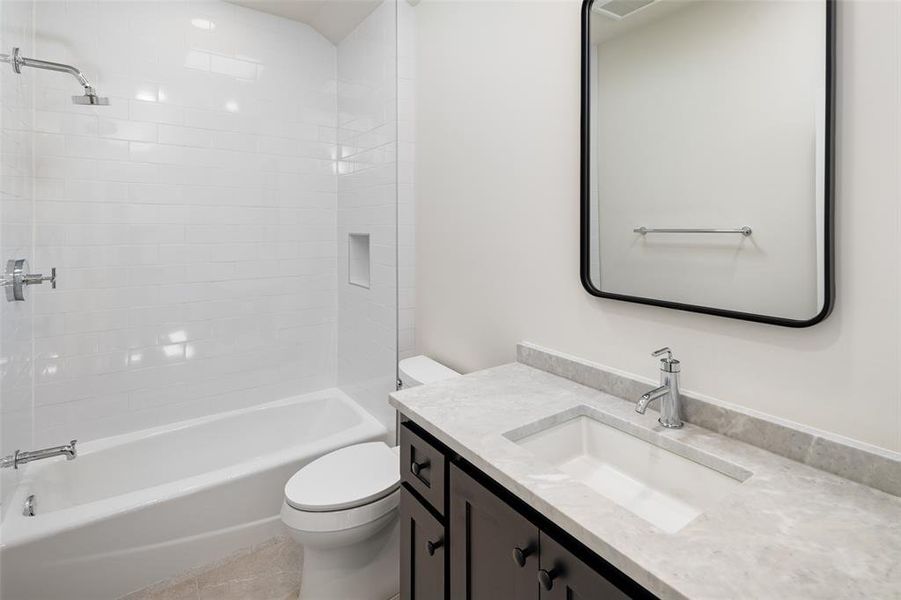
{"x": 91, "y": 99}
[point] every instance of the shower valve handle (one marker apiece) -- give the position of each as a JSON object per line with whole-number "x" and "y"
{"x": 18, "y": 278}
{"x": 36, "y": 278}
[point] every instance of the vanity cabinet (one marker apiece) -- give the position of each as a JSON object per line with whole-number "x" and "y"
{"x": 423, "y": 526}
{"x": 465, "y": 537}
{"x": 422, "y": 466}
{"x": 422, "y": 551}
{"x": 493, "y": 548}
{"x": 564, "y": 576}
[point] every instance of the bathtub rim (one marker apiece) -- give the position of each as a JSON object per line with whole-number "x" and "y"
{"x": 18, "y": 530}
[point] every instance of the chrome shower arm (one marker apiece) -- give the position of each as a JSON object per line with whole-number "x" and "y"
{"x": 62, "y": 68}
{"x": 18, "y": 61}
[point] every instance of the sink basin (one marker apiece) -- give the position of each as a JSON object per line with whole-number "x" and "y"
{"x": 660, "y": 485}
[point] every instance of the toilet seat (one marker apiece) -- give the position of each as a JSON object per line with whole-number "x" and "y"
{"x": 339, "y": 520}
{"x": 347, "y": 488}
{"x": 346, "y": 478}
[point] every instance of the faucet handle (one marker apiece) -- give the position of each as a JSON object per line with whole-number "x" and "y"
{"x": 668, "y": 364}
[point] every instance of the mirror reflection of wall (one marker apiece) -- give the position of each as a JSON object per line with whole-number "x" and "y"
{"x": 709, "y": 115}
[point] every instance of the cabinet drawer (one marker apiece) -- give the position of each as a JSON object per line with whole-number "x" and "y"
{"x": 422, "y": 551}
{"x": 422, "y": 467}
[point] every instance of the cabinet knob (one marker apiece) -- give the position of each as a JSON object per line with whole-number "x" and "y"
{"x": 520, "y": 555}
{"x": 546, "y": 578}
{"x": 432, "y": 546}
{"x": 418, "y": 467}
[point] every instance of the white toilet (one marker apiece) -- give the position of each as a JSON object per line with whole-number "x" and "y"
{"x": 342, "y": 508}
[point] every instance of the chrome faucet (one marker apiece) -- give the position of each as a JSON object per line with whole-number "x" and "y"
{"x": 20, "y": 458}
{"x": 668, "y": 392}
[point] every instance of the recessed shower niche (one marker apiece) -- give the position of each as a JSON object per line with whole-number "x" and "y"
{"x": 358, "y": 259}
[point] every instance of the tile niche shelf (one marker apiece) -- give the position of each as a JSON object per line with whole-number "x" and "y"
{"x": 358, "y": 260}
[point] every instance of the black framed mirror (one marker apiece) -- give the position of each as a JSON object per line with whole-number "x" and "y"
{"x": 707, "y": 148}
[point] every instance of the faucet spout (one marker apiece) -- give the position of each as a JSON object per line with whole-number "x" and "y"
{"x": 20, "y": 458}
{"x": 646, "y": 399}
{"x": 668, "y": 392}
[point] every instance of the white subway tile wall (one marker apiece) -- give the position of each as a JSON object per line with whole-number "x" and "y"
{"x": 367, "y": 203}
{"x": 17, "y": 143}
{"x": 193, "y": 220}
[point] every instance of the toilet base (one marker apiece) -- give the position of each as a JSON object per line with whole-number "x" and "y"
{"x": 365, "y": 570}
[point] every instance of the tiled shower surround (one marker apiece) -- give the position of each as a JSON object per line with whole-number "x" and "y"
{"x": 194, "y": 220}
{"x": 367, "y": 203}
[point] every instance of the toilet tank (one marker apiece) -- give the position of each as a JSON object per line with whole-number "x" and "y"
{"x": 420, "y": 370}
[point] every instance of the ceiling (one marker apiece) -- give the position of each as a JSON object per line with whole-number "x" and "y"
{"x": 334, "y": 19}
{"x": 603, "y": 27}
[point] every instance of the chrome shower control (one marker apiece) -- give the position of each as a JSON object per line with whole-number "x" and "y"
{"x": 38, "y": 278}
{"x": 18, "y": 278}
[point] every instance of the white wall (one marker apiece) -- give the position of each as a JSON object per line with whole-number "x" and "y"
{"x": 367, "y": 203}
{"x": 498, "y": 224}
{"x": 16, "y": 236}
{"x": 192, "y": 221}
{"x": 711, "y": 116}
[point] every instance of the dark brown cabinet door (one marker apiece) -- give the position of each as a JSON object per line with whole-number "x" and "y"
{"x": 564, "y": 577}
{"x": 422, "y": 551}
{"x": 493, "y": 549}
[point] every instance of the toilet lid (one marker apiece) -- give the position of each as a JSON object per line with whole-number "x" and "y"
{"x": 346, "y": 478}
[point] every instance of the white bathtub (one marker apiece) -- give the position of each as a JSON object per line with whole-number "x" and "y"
{"x": 138, "y": 508}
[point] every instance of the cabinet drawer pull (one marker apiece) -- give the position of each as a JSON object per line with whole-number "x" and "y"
{"x": 418, "y": 468}
{"x": 546, "y": 578}
{"x": 432, "y": 546}
{"x": 520, "y": 555}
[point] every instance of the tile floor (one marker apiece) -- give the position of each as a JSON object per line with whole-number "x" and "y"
{"x": 268, "y": 571}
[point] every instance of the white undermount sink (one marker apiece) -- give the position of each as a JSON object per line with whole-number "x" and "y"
{"x": 659, "y": 485}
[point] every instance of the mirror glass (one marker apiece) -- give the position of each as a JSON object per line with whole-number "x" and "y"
{"x": 706, "y": 156}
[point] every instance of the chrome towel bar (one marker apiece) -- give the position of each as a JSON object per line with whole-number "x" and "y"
{"x": 745, "y": 231}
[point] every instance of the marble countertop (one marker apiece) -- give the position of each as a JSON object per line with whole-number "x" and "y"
{"x": 789, "y": 532}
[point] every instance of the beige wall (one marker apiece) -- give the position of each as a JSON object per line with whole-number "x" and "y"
{"x": 498, "y": 224}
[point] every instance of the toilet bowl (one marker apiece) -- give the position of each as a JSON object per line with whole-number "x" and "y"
{"x": 342, "y": 508}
